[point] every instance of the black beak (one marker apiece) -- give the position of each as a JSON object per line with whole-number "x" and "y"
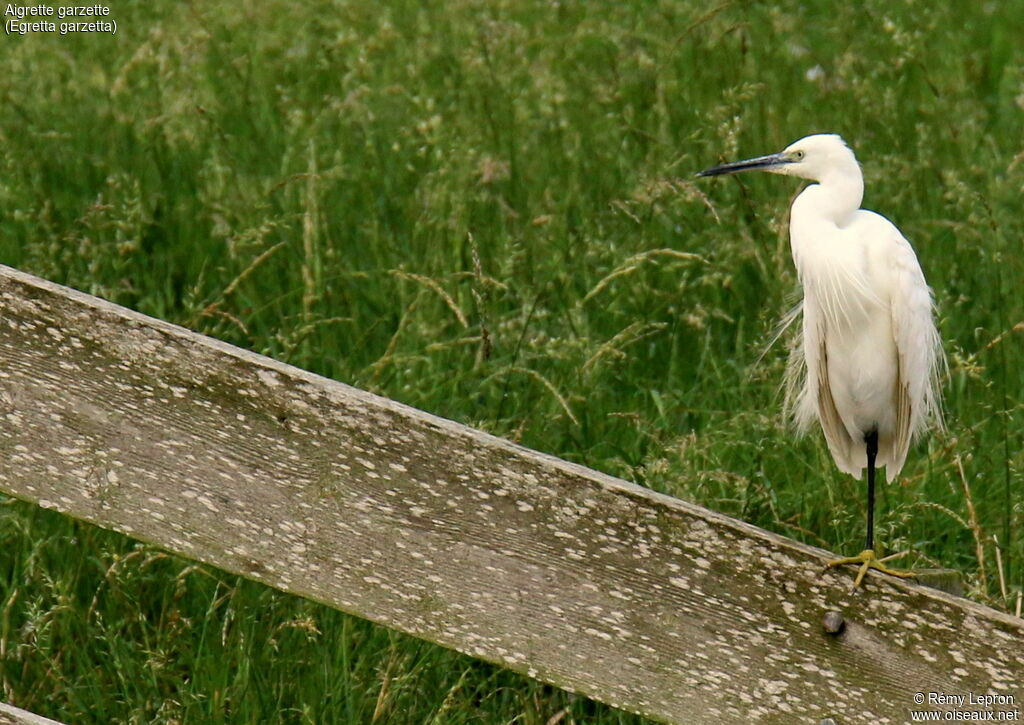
{"x": 761, "y": 162}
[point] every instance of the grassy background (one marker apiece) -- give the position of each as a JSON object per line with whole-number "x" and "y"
{"x": 485, "y": 209}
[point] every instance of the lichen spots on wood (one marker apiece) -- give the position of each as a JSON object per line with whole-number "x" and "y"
{"x": 454, "y": 535}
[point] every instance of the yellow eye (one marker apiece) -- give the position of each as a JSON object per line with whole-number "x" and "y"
{"x": 798, "y": 155}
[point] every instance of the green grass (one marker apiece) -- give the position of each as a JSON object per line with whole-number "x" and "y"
{"x": 486, "y": 210}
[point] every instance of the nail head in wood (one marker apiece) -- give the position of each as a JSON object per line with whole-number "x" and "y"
{"x": 833, "y": 623}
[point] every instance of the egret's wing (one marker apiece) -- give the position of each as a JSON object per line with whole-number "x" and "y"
{"x": 900, "y": 441}
{"x": 918, "y": 348}
{"x": 840, "y": 444}
{"x": 808, "y": 391}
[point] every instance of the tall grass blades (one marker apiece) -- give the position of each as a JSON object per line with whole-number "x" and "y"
{"x": 485, "y": 208}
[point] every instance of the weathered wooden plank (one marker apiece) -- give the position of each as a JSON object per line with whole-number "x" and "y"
{"x": 10, "y": 715}
{"x": 458, "y": 537}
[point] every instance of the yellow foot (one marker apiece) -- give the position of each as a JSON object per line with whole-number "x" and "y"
{"x": 869, "y": 560}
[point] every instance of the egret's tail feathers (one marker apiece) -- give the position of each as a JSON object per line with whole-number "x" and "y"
{"x": 850, "y": 456}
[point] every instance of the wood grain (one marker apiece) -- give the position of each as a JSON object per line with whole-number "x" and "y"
{"x": 10, "y": 715}
{"x": 568, "y": 575}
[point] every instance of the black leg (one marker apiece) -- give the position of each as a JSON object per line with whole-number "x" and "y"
{"x": 867, "y": 559}
{"x": 871, "y": 439}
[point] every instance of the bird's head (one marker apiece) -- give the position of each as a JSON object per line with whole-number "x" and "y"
{"x": 812, "y": 157}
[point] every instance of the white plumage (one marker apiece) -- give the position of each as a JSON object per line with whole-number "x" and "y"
{"x": 870, "y": 351}
{"x": 869, "y": 354}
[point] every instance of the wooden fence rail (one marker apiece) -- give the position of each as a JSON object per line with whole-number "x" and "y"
{"x": 545, "y": 567}
{"x": 13, "y": 716}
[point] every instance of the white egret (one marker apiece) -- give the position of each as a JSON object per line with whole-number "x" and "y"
{"x": 867, "y": 365}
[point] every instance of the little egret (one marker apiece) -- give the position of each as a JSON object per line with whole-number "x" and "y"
{"x": 867, "y": 364}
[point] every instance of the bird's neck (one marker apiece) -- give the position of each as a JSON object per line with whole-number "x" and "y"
{"x": 837, "y": 196}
